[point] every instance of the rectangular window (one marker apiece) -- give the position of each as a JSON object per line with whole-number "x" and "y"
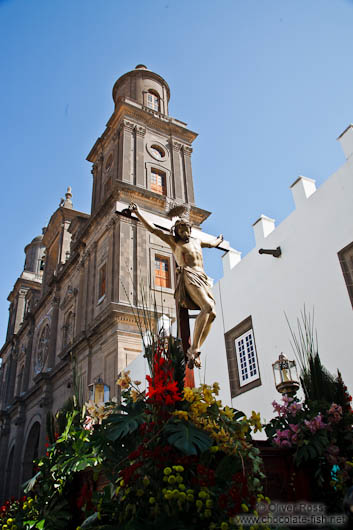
{"x": 246, "y": 358}
{"x": 161, "y": 271}
{"x": 102, "y": 282}
{"x": 158, "y": 182}
{"x": 153, "y": 102}
{"x": 346, "y": 260}
{"x": 243, "y": 367}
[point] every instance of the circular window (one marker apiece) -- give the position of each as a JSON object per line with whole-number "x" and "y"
{"x": 109, "y": 162}
{"x": 157, "y": 151}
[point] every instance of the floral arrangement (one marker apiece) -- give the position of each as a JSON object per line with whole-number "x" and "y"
{"x": 169, "y": 456}
{"x": 321, "y": 437}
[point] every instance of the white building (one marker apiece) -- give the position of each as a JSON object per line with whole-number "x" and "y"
{"x": 315, "y": 269}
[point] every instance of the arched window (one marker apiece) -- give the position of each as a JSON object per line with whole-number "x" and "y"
{"x": 42, "y": 349}
{"x": 153, "y": 100}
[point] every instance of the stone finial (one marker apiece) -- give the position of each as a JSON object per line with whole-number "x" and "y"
{"x": 67, "y": 202}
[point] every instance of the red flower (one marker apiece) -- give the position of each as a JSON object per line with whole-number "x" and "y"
{"x": 162, "y": 389}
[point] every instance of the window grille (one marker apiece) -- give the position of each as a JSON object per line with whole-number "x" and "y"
{"x": 158, "y": 182}
{"x": 246, "y": 358}
{"x": 153, "y": 101}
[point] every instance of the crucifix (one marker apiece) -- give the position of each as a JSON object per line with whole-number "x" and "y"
{"x": 193, "y": 287}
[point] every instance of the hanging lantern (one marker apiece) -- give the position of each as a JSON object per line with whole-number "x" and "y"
{"x": 286, "y": 376}
{"x": 98, "y": 391}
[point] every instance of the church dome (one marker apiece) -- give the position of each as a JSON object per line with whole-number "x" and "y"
{"x": 146, "y": 87}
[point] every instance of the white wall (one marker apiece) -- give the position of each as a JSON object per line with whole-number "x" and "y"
{"x": 308, "y": 272}
{"x": 264, "y": 287}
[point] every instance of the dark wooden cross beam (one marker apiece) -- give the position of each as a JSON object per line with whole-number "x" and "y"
{"x": 184, "y": 326}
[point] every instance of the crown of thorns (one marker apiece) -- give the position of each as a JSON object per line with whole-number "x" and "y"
{"x": 180, "y": 222}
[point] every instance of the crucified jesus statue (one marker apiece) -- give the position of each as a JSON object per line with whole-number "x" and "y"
{"x": 193, "y": 287}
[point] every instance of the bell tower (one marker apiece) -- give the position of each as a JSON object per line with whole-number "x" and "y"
{"x": 144, "y": 153}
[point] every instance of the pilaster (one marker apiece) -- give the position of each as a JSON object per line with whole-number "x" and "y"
{"x": 189, "y": 186}
{"x": 140, "y": 156}
{"x": 177, "y": 170}
{"x": 53, "y": 331}
{"x": 20, "y": 309}
{"x": 127, "y": 129}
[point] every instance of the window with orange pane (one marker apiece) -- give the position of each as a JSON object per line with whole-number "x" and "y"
{"x": 161, "y": 271}
{"x": 158, "y": 182}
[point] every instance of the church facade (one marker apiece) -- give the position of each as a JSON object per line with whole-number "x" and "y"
{"x": 85, "y": 273}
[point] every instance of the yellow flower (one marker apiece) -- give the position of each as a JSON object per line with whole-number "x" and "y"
{"x": 216, "y": 388}
{"x": 167, "y": 470}
{"x": 255, "y": 421}
{"x": 228, "y": 412}
{"x": 189, "y": 394}
{"x": 181, "y": 414}
{"x": 134, "y": 395}
{"x": 125, "y": 380}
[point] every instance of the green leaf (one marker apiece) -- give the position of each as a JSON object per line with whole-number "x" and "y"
{"x": 187, "y": 438}
{"x": 40, "y": 525}
{"x": 238, "y": 414}
{"x": 120, "y": 425}
{"x": 29, "y": 485}
{"x": 91, "y": 519}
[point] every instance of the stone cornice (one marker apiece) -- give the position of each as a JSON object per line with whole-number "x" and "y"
{"x": 129, "y": 110}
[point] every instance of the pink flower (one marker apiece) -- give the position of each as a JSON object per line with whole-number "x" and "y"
{"x": 315, "y": 424}
{"x": 294, "y": 408}
{"x": 335, "y": 413}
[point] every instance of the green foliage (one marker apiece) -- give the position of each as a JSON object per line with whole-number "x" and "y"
{"x": 120, "y": 425}
{"x": 187, "y": 438}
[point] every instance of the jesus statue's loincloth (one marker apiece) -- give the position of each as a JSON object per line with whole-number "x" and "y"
{"x": 188, "y": 276}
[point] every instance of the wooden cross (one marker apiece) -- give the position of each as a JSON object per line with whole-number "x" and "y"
{"x": 184, "y": 327}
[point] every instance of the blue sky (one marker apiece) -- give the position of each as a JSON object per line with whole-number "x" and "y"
{"x": 267, "y": 84}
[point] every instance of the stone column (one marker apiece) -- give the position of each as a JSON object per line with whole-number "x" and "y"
{"x": 86, "y": 267}
{"x": 19, "y": 423}
{"x": 110, "y": 261}
{"x": 53, "y": 331}
{"x": 116, "y": 261}
{"x": 115, "y": 170}
{"x": 140, "y": 157}
{"x": 29, "y": 349}
{"x": 4, "y": 441}
{"x": 189, "y": 185}
{"x": 127, "y": 151}
{"x": 20, "y": 309}
{"x": 142, "y": 259}
{"x": 94, "y": 187}
{"x": 93, "y": 277}
{"x": 177, "y": 171}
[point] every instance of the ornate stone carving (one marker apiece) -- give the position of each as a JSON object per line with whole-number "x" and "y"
{"x": 176, "y": 146}
{"x": 187, "y": 150}
{"x": 128, "y": 125}
{"x": 141, "y": 131}
{"x": 69, "y": 295}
